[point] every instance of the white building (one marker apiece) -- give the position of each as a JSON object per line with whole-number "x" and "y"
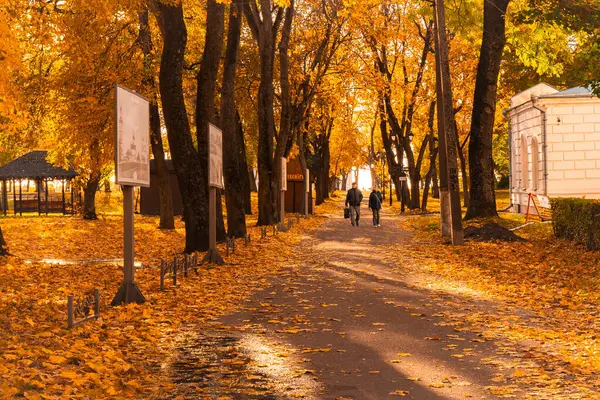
{"x": 554, "y": 140}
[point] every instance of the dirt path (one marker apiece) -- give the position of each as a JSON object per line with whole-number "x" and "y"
{"x": 344, "y": 322}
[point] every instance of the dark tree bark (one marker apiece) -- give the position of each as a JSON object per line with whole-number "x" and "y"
{"x": 205, "y": 96}
{"x": 167, "y": 220}
{"x": 433, "y": 151}
{"x": 89, "y": 197}
{"x": 190, "y": 174}
{"x": 483, "y": 196}
{"x": 3, "y": 247}
{"x": 243, "y": 165}
{"x": 264, "y": 30}
{"x": 233, "y": 174}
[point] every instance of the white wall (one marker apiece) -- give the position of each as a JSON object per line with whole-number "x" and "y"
{"x": 573, "y": 147}
{"x": 526, "y": 137}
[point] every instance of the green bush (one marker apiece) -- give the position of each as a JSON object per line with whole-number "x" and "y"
{"x": 577, "y": 220}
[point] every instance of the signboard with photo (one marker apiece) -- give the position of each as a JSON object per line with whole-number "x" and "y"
{"x": 283, "y": 173}
{"x": 215, "y": 168}
{"x": 132, "y": 138}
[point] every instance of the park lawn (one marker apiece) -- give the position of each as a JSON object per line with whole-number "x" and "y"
{"x": 554, "y": 278}
{"x": 125, "y": 353}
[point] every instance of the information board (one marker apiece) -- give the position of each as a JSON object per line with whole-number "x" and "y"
{"x": 215, "y": 168}
{"x": 132, "y": 138}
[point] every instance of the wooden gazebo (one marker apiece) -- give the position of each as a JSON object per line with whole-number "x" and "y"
{"x": 33, "y": 166}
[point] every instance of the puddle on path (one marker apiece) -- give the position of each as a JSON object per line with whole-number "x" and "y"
{"x": 237, "y": 366}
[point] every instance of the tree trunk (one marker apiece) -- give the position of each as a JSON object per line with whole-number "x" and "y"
{"x": 344, "y": 181}
{"x": 243, "y": 165}
{"x": 233, "y": 174}
{"x": 3, "y": 247}
{"x": 205, "y": 98}
{"x": 89, "y": 197}
{"x": 483, "y": 196}
{"x": 162, "y": 173}
{"x": 465, "y": 178}
{"x": 429, "y": 178}
{"x": 264, "y": 30}
{"x": 191, "y": 176}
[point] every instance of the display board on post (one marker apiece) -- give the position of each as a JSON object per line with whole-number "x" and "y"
{"x": 132, "y": 168}
{"x": 282, "y": 226}
{"x": 215, "y": 181}
{"x": 306, "y": 191}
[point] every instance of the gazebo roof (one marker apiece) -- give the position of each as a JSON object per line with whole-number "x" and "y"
{"x": 34, "y": 165}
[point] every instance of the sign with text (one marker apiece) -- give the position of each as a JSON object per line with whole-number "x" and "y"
{"x": 132, "y": 138}
{"x": 283, "y": 173}
{"x": 544, "y": 201}
{"x": 215, "y": 167}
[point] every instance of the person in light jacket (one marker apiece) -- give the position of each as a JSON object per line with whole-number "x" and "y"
{"x": 353, "y": 199}
{"x": 375, "y": 201}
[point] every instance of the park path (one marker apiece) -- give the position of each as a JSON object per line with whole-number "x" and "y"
{"x": 343, "y": 321}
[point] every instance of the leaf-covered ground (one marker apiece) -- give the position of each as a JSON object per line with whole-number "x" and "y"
{"x": 122, "y": 354}
{"x": 320, "y": 311}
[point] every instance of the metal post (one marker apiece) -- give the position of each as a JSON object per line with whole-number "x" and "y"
{"x": 128, "y": 291}
{"x": 185, "y": 265}
{"x": 402, "y": 199}
{"x": 96, "y": 302}
{"x": 46, "y": 190}
{"x": 38, "y": 182}
{"x": 70, "y": 311}
{"x": 20, "y": 197}
{"x": 14, "y": 190}
{"x": 212, "y": 256}
{"x": 63, "y": 197}
{"x": 4, "y": 198}
{"x": 72, "y": 199}
{"x": 282, "y": 227}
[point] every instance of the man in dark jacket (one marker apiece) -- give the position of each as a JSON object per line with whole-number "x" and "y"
{"x": 375, "y": 200}
{"x": 353, "y": 199}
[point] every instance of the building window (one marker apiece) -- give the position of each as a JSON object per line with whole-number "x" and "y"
{"x": 524, "y": 164}
{"x": 535, "y": 164}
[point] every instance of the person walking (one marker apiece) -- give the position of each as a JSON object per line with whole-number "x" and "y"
{"x": 375, "y": 201}
{"x": 353, "y": 199}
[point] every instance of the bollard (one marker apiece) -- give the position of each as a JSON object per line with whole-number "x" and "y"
{"x": 163, "y": 268}
{"x": 274, "y": 230}
{"x": 175, "y": 271}
{"x": 289, "y": 224}
{"x": 185, "y": 265}
{"x": 70, "y": 311}
{"x": 96, "y": 302}
{"x": 263, "y": 233}
{"x": 227, "y": 247}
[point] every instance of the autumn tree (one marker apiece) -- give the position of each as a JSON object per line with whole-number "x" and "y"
{"x": 483, "y": 196}
{"x": 237, "y": 185}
